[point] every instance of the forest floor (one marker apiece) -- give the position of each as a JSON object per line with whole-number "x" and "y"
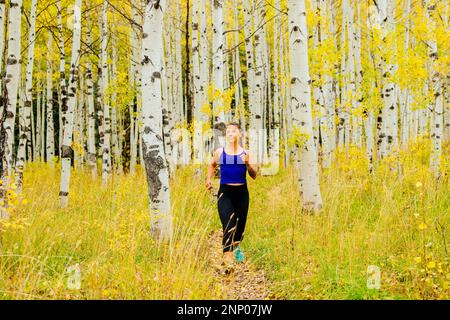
{"x": 246, "y": 282}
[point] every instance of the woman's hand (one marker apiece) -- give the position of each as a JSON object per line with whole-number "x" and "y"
{"x": 245, "y": 158}
{"x": 209, "y": 185}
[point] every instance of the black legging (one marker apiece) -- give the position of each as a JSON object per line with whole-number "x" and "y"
{"x": 233, "y": 202}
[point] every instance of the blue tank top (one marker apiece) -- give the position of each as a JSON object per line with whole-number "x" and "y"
{"x": 232, "y": 168}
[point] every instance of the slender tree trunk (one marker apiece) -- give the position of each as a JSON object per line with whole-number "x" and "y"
{"x": 114, "y": 117}
{"x": 62, "y": 80}
{"x": 404, "y": 98}
{"x": 437, "y": 106}
{"x": 342, "y": 109}
{"x": 106, "y": 163}
{"x": 217, "y": 82}
{"x": 10, "y": 90}
{"x": 274, "y": 146}
{"x": 50, "y": 143}
{"x": 25, "y": 135}
{"x": 251, "y": 78}
{"x": 91, "y": 152}
{"x": 308, "y": 171}
{"x": 237, "y": 77}
{"x": 2, "y": 44}
{"x": 66, "y": 149}
{"x": 197, "y": 123}
{"x": 152, "y": 140}
{"x": 38, "y": 139}
{"x": 204, "y": 72}
{"x": 389, "y": 121}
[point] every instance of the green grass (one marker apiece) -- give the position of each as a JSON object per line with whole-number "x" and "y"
{"x": 366, "y": 220}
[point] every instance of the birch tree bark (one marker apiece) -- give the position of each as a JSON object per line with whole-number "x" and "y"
{"x": 342, "y": 109}
{"x": 2, "y": 43}
{"x": 218, "y": 65}
{"x": 3, "y": 29}
{"x": 237, "y": 74}
{"x": 38, "y": 139}
{"x": 91, "y": 152}
{"x": 404, "y": 98}
{"x": 152, "y": 141}
{"x": 114, "y": 111}
{"x": 62, "y": 79}
{"x": 204, "y": 71}
{"x": 327, "y": 124}
{"x": 259, "y": 13}
{"x": 389, "y": 124}
{"x": 66, "y": 149}
{"x": 25, "y": 136}
{"x": 11, "y": 86}
{"x": 436, "y": 130}
{"x": 197, "y": 123}
{"x": 307, "y": 165}
{"x": 50, "y": 143}
{"x": 106, "y": 163}
{"x": 251, "y": 78}
{"x": 274, "y": 146}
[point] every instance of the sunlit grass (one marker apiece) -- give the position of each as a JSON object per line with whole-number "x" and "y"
{"x": 398, "y": 222}
{"x": 367, "y": 220}
{"x": 106, "y": 232}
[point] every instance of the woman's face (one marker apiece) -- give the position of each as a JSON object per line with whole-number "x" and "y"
{"x": 232, "y": 133}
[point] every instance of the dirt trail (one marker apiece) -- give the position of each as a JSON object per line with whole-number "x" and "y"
{"x": 245, "y": 283}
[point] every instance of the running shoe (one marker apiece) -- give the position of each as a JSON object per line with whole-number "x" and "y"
{"x": 239, "y": 255}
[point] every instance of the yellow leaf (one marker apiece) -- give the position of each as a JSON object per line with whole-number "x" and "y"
{"x": 422, "y": 226}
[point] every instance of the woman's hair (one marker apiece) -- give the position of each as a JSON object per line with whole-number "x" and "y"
{"x": 234, "y": 124}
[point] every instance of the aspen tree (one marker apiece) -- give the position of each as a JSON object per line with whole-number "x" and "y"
{"x": 66, "y": 149}
{"x": 307, "y": 164}
{"x": 152, "y": 140}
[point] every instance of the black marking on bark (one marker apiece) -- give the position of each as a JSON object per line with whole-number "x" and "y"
{"x": 154, "y": 163}
{"x": 66, "y": 152}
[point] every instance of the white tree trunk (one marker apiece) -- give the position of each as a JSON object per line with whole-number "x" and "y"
{"x": 308, "y": 171}
{"x": 135, "y": 76}
{"x": 218, "y": 71}
{"x": 436, "y": 130}
{"x": 274, "y": 146}
{"x": 327, "y": 126}
{"x": 92, "y": 153}
{"x": 21, "y": 115}
{"x": 13, "y": 65}
{"x": 259, "y": 10}
{"x": 38, "y": 139}
{"x": 342, "y": 109}
{"x": 239, "y": 90}
{"x": 2, "y": 42}
{"x": 50, "y": 143}
{"x": 152, "y": 140}
{"x": 26, "y": 116}
{"x": 198, "y": 98}
{"x": 251, "y": 79}
{"x": 168, "y": 81}
{"x": 204, "y": 68}
{"x": 389, "y": 124}
{"x": 106, "y": 152}
{"x": 114, "y": 116}
{"x": 66, "y": 149}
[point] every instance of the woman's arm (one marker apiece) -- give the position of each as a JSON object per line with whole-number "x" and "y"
{"x": 251, "y": 164}
{"x": 210, "y": 171}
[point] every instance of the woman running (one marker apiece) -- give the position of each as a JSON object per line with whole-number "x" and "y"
{"x": 233, "y": 196}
